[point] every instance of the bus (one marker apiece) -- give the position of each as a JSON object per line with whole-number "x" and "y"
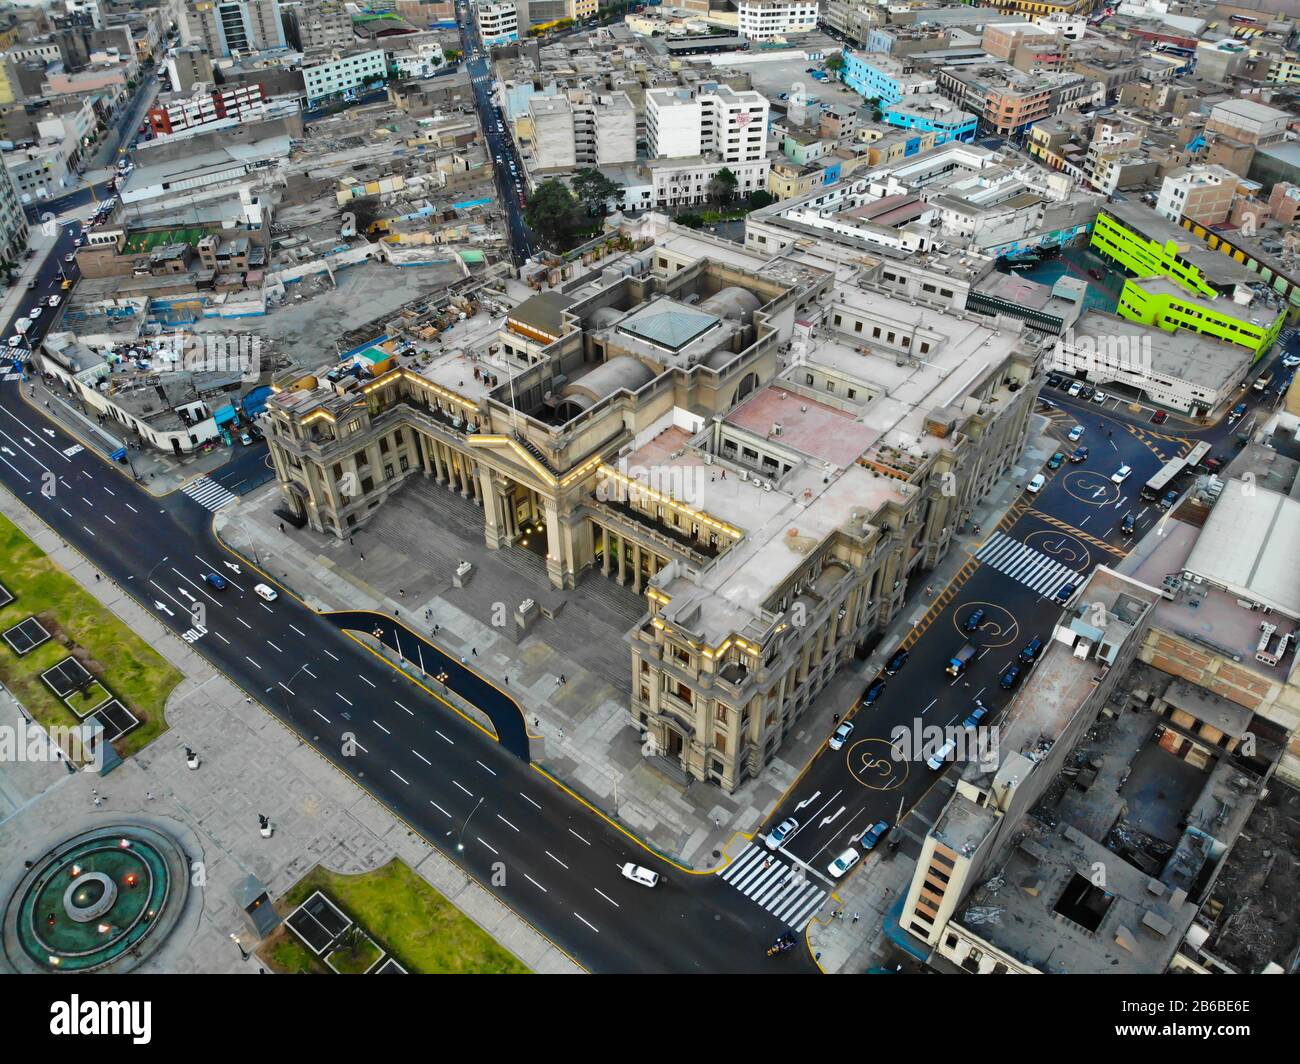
{"x": 1196, "y": 456}
{"x": 1156, "y": 486}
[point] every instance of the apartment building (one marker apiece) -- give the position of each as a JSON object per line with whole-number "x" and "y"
{"x": 13, "y": 220}
{"x": 582, "y": 129}
{"x": 931, "y": 113}
{"x": 186, "y": 67}
{"x": 498, "y": 21}
{"x": 206, "y": 106}
{"x": 318, "y": 24}
{"x": 226, "y": 27}
{"x": 885, "y": 78}
{"x": 766, "y": 20}
{"x": 639, "y": 428}
{"x": 710, "y": 119}
{"x": 1009, "y": 101}
{"x": 1201, "y": 193}
{"x": 685, "y": 182}
{"x": 343, "y": 73}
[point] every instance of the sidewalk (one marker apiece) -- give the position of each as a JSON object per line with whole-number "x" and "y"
{"x": 38, "y": 242}
{"x": 250, "y": 765}
{"x": 402, "y": 564}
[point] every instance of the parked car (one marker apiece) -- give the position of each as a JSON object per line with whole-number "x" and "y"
{"x": 781, "y": 832}
{"x": 1121, "y": 474}
{"x": 873, "y": 835}
{"x": 1036, "y": 484}
{"x": 66, "y": 285}
{"x": 1159, "y": 417}
{"x": 1214, "y": 464}
{"x": 1099, "y": 397}
{"x": 1170, "y": 497}
{"x": 1053, "y": 381}
{"x": 973, "y": 622}
{"x": 1030, "y": 651}
{"x": 1010, "y": 677}
{"x": 1055, "y": 461}
{"x": 1086, "y": 392}
{"x": 1236, "y": 412}
{"x": 874, "y": 690}
{"x": 245, "y": 439}
{"x": 896, "y": 662}
{"x": 1076, "y": 434}
{"x": 53, "y": 301}
{"x": 975, "y": 716}
{"x": 1127, "y": 525}
{"x": 1079, "y": 454}
{"x": 940, "y": 757}
{"x": 843, "y": 863}
{"x": 841, "y": 735}
{"x": 1076, "y": 388}
{"x": 265, "y": 593}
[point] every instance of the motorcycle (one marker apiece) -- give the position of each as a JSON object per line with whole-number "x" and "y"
{"x": 783, "y": 944}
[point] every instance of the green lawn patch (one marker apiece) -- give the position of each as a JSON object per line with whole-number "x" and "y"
{"x": 82, "y": 702}
{"x": 357, "y": 955}
{"x": 78, "y": 625}
{"x": 410, "y": 920}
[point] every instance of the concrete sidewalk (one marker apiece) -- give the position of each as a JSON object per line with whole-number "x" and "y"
{"x": 401, "y": 564}
{"x": 250, "y": 764}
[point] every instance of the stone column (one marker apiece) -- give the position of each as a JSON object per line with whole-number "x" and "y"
{"x": 494, "y": 534}
{"x": 604, "y": 551}
{"x": 559, "y": 555}
{"x": 636, "y": 568}
{"x": 622, "y": 562}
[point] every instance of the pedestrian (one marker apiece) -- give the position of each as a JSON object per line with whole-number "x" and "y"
{"x": 507, "y": 681}
{"x": 351, "y": 541}
{"x": 96, "y": 577}
{"x": 98, "y": 801}
{"x": 363, "y": 555}
{"x": 248, "y": 701}
{"x": 835, "y": 719}
{"x": 965, "y": 683}
{"x": 462, "y": 660}
{"x": 437, "y": 628}
{"x": 148, "y": 796}
{"x": 473, "y": 652}
{"x": 93, "y": 792}
{"x": 281, "y": 526}
{"x": 563, "y": 679}
{"x": 856, "y": 918}
{"x": 767, "y": 863}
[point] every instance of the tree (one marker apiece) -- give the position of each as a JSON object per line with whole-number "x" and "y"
{"x": 595, "y": 191}
{"x": 835, "y": 63}
{"x": 761, "y": 198}
{"x": 554, "y": 215}
{"x": 451, "y": 55}
{"x": 722, "y": 186}
{"x": 690, "y": 219}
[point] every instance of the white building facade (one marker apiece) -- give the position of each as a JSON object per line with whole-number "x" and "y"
{"x": 765, "y": 20}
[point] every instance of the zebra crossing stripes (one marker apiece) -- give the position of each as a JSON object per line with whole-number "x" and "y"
{"x": 1032, "y": 568}
{"x": 783, "y": 891}
{"x": 208, "y": 493}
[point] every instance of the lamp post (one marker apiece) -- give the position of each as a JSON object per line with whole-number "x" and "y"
{"x": 243, "y": 953}
{"x": 460, "y": 837}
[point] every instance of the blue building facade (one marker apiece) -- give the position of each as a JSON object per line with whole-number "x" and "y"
{"x": 866, "y": 75}
{"x": 947, "y": 125}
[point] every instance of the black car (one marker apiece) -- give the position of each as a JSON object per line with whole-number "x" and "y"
{"x": 1053, "y": 381}
{"x": 896, "y": 662}
{"x": 1087, "y": 391}
{"x": 1030, "y": 651}
{"x": 972, "y": 623}
{"x": 1171, "y": 497}
{"x": 1126, "y": 526}
{"x": 1009, "y": 678}
{"x": 874, "y": 690}
{"x": 1079, "y": 454}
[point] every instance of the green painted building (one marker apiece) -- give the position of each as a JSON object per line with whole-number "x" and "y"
{"x": 1180, "y": 283}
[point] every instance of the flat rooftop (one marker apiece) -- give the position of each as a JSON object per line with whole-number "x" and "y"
{"x": 1181, "y": 355}
{"x": 810, "y": 427}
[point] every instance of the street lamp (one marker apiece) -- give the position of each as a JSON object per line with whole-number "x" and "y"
{"x": 460, "y": 838}
{"x": 243, "y": 953}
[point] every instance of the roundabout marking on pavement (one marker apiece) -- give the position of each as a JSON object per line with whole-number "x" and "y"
{"x": 1091, "y": 487}
{"x": 877, "y": 764}
{"x": 1062, "y": 547}
{"x": 998, "y": 622}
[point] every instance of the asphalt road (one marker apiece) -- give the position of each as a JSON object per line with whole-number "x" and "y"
{"x": 539, "y": 849}
{"x": 1075, "y": 522}
{"x": 510, "y": 185}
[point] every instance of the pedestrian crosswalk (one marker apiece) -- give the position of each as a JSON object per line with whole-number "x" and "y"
{"x": 1032, "y": 568}
{"x": 782, "y": 890}
{"x": 207, "y": 492}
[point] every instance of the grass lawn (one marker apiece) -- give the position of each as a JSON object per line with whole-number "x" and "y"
{"x": 356, "y": 958}
{"x": 401, "y": 912}
{"x": 82, "y": 702}
{"x": 80, "y": 626}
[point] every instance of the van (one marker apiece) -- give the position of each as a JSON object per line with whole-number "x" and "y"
{"x": 940, "y": 757}
{"x": 1036, "y": 485}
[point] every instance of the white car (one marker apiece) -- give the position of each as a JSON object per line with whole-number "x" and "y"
{"x": 1036, "y": 485}
{"x": 640, "y": 875}
{"x": 34, "y": 313}
{"x": 843, "y": 862}
{"x": 1121, "y": 474}
{"x": 53, "y": 301}
{"x": 15, "y": 341}
{"x": 1290, "y": 361}
{"x": 1099, "y": 397}
{"x": 1075, "y": 388}
{"x": 940, "y": 757}
{"x": 1076, "y": 434}
{"x": 264, "y": 592}
{"x": 781, "y": 832}
{"x": 841, "y": 735}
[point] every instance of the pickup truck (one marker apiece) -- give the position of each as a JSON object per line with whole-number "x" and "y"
{"x": 957, "y": 664}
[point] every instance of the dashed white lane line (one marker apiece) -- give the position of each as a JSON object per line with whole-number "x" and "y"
{"x": 324, "y": 651}
{"x": 367, "y": 681}
{"x": 244, "y": 623}
{"x": 382, "y": 728}
{"x": 222, "y": 638}
{"x": 506, "y": 822}
{"x": 321, "y": 715}
{"x": 274, "y": 647}
{"x": 440, "y": 808}
{"x": 287, "y": 688}
{"x": 108, "y": 519}
{"x": 465, "y": 789}
{"x": 422, "y": 758}
{"x": 266, "y": 607}
{"x": 607, "y": 897}
{"x": 88, "y": 530}
{"x": 344, "y": 699}
{"x": 400, "y": 706}
{"x": 398, "y": 775}
{"x": 529, "y": 800}
{"x": 111, "y": 492}
{"x": 309, "y": 672}
{"x": 441, "y": 736}
{"x": 248, "y": 659}
{"x": 130, "y": 507}
{"x": 545, "y": 891}
{"x": 483, "y": 766}
{"x": 578, "y": 837}
{"x": 556, "y": 859}
{"x": 587, "y": 922}
{"x": 480, "y": 839}
{"x": 299, "y": 631}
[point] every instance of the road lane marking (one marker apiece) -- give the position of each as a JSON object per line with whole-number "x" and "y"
{"x": 480, "y": 839}
{"x": 327, "y": 652}
{"x": 422, "y": 758}
{"x": 481, "y": 765}
{"x": 607, "y": 897}
{"x": 344, "y": 699}
{"x": 506, "y": 822}
{"x": 463, "y": 788}
{"x": 398, "y": 775}
{"x": 400, "y": 706}
{"x": 274, "y": 647}
{"x": 367, "y": 681}
{"x": 321, "y": 715}
{"x": 556, "y": 859}
{"x": 529, "y": 800}
{"x": 588, "y": 923}
{"x": 578, "y": 837}
{"x": 440, "y": 808}
{"x": 299, "y": 631}
{"x": 381, "y": 727}
{"x": 545, "y": 891}
{"x": 247, "y": 658}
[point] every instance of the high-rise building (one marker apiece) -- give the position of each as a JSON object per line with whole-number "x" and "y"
{"x": 224, "y": 27}
{"x": 318, "y": 24}
{"x": 765, "y": 20}
{"x": 582, "y": 129}
{"x": 499, "y": 21}
{"x": 13, "y": 222}
{"x": 710, "y": 120}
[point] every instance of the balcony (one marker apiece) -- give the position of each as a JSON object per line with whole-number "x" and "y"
{"x": 625, "y": 517}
